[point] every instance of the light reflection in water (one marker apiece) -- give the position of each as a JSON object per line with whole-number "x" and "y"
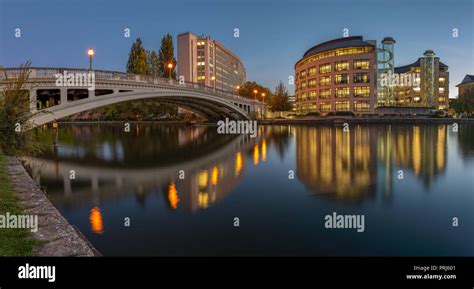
{"x": 255, "y": 155}
{"x": 238, "y": 163}
{"x": 173, "y": 196}
{"x": 264, "y": 150}
{"x": 95, "y": 220}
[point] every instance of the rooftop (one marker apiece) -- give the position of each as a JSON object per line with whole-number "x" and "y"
{"x": 467, "y": 79}
{"x": 353, "y": 41}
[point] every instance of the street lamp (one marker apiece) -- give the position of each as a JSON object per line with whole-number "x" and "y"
{"x": 91, "y": 53}
{"x": 255, "y": 92}
{"x": 170, "y": 67}
{"x": 264, "y": 105}
{"x": 213, "y": 78}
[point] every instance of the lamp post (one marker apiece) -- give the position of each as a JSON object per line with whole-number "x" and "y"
{"x": 255, "y": 93}
{"x": 91, "y": 53}
{"x": 213, "y": 78}
{"x": 170, "y": 67}
{"x": 264, "y": 105}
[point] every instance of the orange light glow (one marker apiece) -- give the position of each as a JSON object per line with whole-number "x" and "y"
{"x": 238, "y": 163}
{"x": 170, "y": 65}
{"x": 95, "y": 219}
{"x": 90, "y": 52}
{"x": 215, "y": 175}
{"x": 264, "y": 150}
{"x": 255, "y": 91}
{"x": 173, "y": 197}
{"x": 255, "y": 155}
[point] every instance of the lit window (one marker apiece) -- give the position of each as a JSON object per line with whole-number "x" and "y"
{"x": 342, "y": 106}
{"x": 325, "y": 93}
{"x": 312, "y": 71}
{"x": 341, "y": 65}
{"x": 361, "y": 64}
{"x": 325, "y": 80}
{"x": 342, "y": 92}
{"x": 325, "y": 68}
{"x": 361, "y": 91}
{"x": 361, "y": 77}
{"x": 342, "y": 78}
{"x": 442, "y": 90}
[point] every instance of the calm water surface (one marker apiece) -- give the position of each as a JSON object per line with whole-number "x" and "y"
{"x": 136, "y": 175}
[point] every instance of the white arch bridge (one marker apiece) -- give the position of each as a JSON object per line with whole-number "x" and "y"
{"x": 109, "y": 87}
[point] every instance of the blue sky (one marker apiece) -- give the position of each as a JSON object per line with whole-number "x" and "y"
{"x": 273, "y": 34}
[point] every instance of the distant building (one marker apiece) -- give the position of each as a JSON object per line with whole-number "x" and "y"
{"x": 432, "y": 89}
{"x": 337, "y": 75}
{"x": 206, "y": 61}
{"x": 466, "y": 83}
{"x": 347, "y": 74}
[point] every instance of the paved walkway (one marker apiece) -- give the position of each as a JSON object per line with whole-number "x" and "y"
{"x": 58, "y": 236}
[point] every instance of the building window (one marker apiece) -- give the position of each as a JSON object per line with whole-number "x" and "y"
{"x": 342, "y": 106}
{"x": 442, "y": 80}
{"x": 325, "y": 80}
{"x": 342, "y": 92}
{"x": 442, "y": 90}
{"x": 361, "y": 91}
{"x": 312, "y": 83}
{"x": 342, "y": 78}
{"x": 361, "y": 106}
{"x": 361, "y": 77}
{"x": 303, "y": 74}
{"x": 441, "y": 99}
{"x": 312, "y": 94}
{"x": 341, "y": 65}
{"x": 325, "y": 93}
{"x": 303, "y": 85}
{"x": 312, "y": 71}
{"x": 361, "y": 64}
{"x": 325, "y": 107}
{"x": 325, "y": 68}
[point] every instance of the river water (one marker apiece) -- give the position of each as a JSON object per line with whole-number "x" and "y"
{"x": 187, "y": 191}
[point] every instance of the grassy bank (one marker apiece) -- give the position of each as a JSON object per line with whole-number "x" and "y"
{"x": 13, "y": 242}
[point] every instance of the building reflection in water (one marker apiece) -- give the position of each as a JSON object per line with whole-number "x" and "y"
{"x": 95, "y": 220}
{"x": 346, "y": 165}
{"x": 330, "y": 161}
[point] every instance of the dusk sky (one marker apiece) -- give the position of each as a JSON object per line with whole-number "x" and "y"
{"x": 273, "y": 34}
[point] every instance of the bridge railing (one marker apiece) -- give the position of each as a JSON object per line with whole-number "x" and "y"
{"x": 44, "y": 72}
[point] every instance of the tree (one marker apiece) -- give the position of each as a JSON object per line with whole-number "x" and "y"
{"x": 465, "y": 102}
{"x": 137, "y": 58}
{"x": 166, "y": 56}
{"x": 248, "y": 88}
{"x": 280, "y": 101}
{"x": 153, "y": 63}
{"x": 16, "y": 138}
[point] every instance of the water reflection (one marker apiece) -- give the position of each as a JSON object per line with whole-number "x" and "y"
{"x": 346, "y": 165}
{"x": 179, "y": 182}
{"x": 192, "y": 167}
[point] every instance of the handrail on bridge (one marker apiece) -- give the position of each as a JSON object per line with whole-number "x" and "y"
{"x": 46, "y": 72}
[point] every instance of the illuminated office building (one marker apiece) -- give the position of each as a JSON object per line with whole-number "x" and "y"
{"x": 206, "y": 61}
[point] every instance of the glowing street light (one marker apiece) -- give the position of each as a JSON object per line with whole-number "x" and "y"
{"x": 264, "y": 106}
{"x": 255, "y": 92}
{"x": 170, "y": 67}
{"x": 213, "y": 78}
{"x": 91, "y": 53}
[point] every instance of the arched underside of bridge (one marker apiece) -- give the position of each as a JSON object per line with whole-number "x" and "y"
{"x": 211, "y": 107}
